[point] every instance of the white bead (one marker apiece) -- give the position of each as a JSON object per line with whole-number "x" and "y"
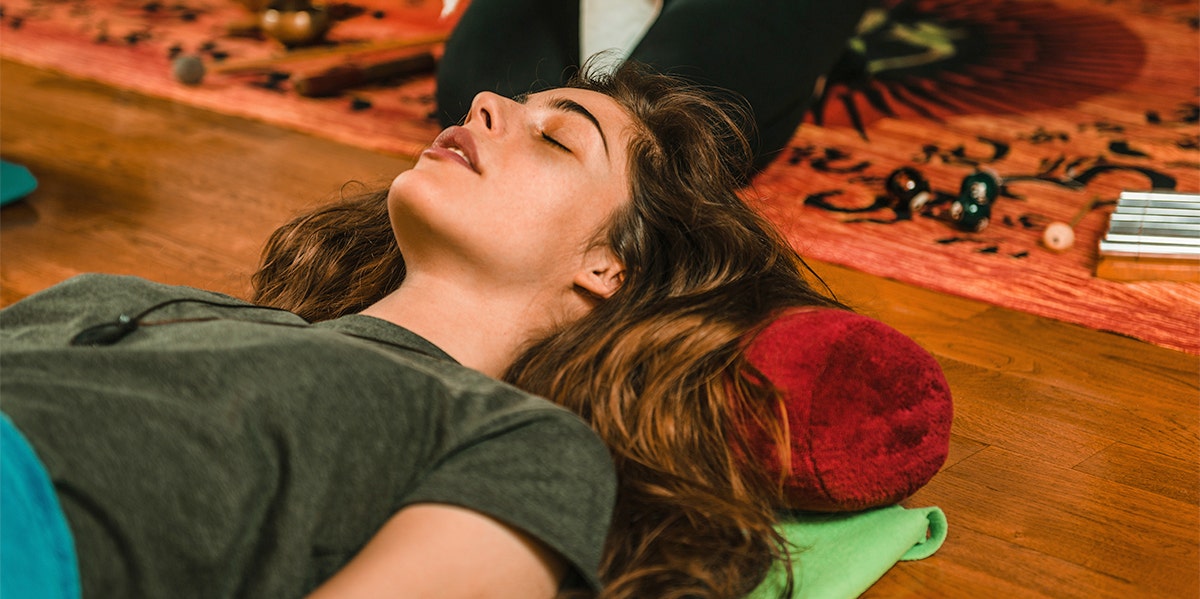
{"x": 1058, "y": 236}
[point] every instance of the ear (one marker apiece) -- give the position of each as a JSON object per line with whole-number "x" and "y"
{"x": 601, "y": 274}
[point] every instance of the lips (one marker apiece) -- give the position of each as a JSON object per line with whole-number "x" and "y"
{"x": 456, "y": 144}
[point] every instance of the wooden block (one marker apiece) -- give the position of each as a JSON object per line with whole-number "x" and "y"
{"x": 337, "y": 79}
{"x": 1122, "y": 268}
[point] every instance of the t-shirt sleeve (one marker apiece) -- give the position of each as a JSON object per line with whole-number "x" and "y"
{"x": 546, "y": 474}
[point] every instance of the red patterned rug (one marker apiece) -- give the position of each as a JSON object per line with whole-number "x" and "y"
{"x": 1069, "y": 102}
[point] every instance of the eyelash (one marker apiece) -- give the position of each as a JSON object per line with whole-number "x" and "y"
{"x": 555, "y": 142}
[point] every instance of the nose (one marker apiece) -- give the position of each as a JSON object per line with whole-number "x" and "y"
{"x": 491, "y": 111}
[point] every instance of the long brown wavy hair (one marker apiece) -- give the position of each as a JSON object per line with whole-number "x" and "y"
{"x": 658, "y": 368}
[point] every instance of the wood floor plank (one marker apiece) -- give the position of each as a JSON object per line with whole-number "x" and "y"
{"x": 996, "y": 409}
{"x": 1065, "y": 426}
{"x": 135, "y": 185}
{"x": 1145, "y": 539}
{"x": 1127, "y": 369}
{"x": 961, "y": 448}
{"x": 970, "y": 561}
{"x": 1147, "y": 470}
{"x": 910, "y": 309}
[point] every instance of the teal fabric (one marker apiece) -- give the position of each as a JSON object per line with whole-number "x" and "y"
{"x": 16, "y": 182}
{"x": 37, "y": 553}
{"x": 836, "y": 556}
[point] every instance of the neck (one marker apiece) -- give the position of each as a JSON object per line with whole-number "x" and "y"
{"x": 479, "y": 326}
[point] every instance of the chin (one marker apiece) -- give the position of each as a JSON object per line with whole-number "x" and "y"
{"x": 407, "y": 186}
{"x": 402, "y": 180}
{"x": 402, "y": 190}
{"x": 415, "y": 195}
{"x": 424, "y": 177}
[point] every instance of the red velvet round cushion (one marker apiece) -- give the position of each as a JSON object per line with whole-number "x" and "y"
{"x": 869, "y": 410}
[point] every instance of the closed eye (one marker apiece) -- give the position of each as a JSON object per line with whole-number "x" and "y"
{"x": 568, "y": 107}
{"x": 555, "y": 142}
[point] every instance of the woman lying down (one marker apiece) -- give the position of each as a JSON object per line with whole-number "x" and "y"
{"x": 373, "y": 425}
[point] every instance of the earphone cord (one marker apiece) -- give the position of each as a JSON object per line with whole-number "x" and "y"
{"x": 108, "y": 333}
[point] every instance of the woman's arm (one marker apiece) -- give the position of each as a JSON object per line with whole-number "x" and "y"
{"x": 437, "y": 550}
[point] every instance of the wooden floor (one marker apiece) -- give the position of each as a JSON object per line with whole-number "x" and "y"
{"x": 1073, "y": 469}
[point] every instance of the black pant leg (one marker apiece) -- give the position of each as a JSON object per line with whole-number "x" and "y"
{"x": 509, "y": 47}
{"x": 771, "y": 52}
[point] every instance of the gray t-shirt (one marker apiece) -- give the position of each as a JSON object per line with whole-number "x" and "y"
{"x": 230, "y": 450}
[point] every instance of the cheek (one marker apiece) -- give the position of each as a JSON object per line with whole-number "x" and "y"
{"x": 534, "y": 200}
{"x": 594, "y": 205}
{"x": 576, "y": 213}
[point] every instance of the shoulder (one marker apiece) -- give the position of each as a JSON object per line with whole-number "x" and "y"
{"x": 88, "y": 299}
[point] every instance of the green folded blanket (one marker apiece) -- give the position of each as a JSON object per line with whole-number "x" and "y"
{"x": 835, "y": 556}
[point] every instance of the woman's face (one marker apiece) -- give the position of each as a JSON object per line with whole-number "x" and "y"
{"x": 520, "y": 192}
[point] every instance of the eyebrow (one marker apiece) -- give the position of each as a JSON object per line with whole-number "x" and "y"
{"x": 568, "y": 105}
